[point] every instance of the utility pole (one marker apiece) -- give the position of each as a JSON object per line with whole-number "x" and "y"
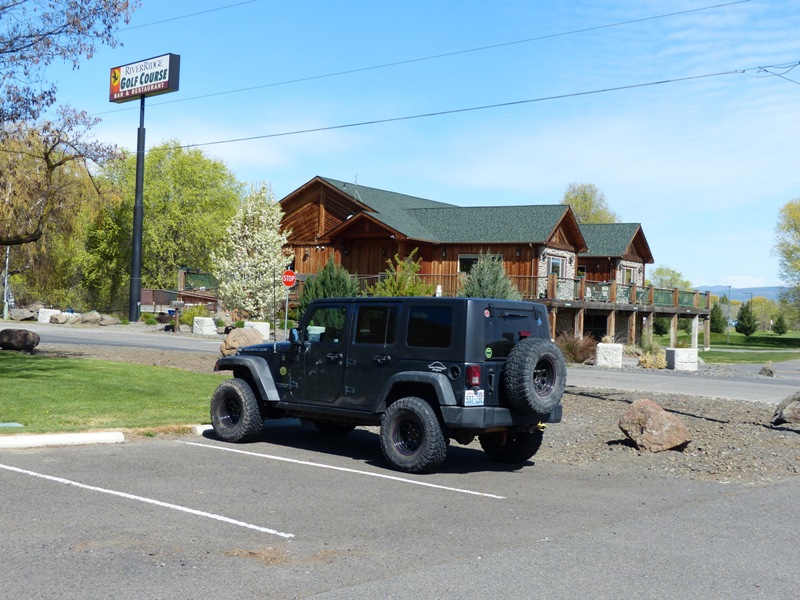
{"x": 6, "y": 295}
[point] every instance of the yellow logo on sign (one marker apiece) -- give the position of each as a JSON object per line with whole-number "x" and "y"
{"x": 115, "y": 79}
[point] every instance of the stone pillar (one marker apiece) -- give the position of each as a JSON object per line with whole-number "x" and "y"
{"x": 695, "y": 330}
{"x": 673, "y": 330}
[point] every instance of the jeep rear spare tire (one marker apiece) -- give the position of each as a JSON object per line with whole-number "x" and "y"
{"x": 534, "y": 376}
{"x": 411, "y": 437}
{"x": 234, "y": 411}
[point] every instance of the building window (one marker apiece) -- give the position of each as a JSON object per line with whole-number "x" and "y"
{"x": 628, "y": 275}
{"x": 467, "y": 261}
{"x": 556, "y": 264}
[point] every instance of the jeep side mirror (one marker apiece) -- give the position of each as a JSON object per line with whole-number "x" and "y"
{"x": 294, "y": 335}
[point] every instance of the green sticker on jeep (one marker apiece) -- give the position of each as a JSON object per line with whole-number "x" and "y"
{"x": 282, "y": 371}
{"x": 488, "y": 353}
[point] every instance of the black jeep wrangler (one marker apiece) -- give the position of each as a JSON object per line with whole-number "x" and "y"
{"x": 426, "y": 370}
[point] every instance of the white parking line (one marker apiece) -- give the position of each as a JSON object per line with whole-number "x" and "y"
{"x": 346, "y": 470}
{"x": 191, "y": 511}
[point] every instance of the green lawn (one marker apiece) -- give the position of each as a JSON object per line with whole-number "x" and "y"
{"x": 739, "y": 349}
{"x": 63, "y": 394}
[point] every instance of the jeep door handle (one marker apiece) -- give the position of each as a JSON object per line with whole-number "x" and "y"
{"x": 335, "y": 357}
{"x": 382, "y": 359}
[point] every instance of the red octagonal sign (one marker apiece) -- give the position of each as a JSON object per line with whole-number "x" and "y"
{"x": 289, "y": 278}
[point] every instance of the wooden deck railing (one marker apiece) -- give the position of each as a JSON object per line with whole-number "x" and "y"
{"x": 559, "y": 288}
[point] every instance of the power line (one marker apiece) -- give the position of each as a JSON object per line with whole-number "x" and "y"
{"x": 431, "y": 57}
{"x": 202, "y": 12}
{"x": 483, "y": 107}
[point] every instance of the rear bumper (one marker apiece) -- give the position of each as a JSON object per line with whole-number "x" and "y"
{"x": 486, "y": 417}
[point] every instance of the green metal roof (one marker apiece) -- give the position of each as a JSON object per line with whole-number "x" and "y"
{"x": 423, "y": 219}
{"x": 608, "y": 239}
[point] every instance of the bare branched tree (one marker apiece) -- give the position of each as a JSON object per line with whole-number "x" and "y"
{"x": 37, "y": 168}
{"x": 33, "y": 34}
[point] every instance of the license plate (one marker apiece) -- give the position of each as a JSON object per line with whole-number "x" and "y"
{"x": 473, "y": 398}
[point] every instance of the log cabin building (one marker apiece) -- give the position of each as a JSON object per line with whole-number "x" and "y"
{"x": 590, "y": 277}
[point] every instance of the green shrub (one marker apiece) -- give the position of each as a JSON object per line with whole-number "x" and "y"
{"x": 188, "y": 315}
{"x": 576, "y": 349}
{"x": 402, "y": 278}
{"x": 661, "y": 326}
{"x": 149, "y": 319}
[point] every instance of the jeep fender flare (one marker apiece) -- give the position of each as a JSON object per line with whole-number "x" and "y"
{"x": 439, "y": 382}
{"x": 258, "y": 369}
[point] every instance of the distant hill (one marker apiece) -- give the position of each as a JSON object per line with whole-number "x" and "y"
{"x": 743, "y": 294}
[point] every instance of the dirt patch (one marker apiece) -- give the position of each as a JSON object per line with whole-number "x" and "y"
{"x": 732, "y": 441}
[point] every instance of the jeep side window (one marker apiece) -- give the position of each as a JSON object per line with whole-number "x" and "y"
{"x": 376, "y": 325}
{"x": 430, "y": 326}
{"x": 326, "y": 324}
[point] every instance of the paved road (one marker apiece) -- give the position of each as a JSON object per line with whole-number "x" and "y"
{"x": 745, "y": 385}
{"x": 119, "y": 336}
{"x": 198, "y": 518}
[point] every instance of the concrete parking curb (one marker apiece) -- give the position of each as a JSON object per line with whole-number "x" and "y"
{"x": 61, "y": 439}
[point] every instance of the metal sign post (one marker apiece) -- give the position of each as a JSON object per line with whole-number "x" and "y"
{"x": 150, "y": 77}
{"x": 288, "y": 278}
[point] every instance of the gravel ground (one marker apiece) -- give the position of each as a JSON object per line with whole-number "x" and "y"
{"x": 732, "y": 441}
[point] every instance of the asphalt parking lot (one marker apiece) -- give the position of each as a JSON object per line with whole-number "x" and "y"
{"x": 304, "y": 515}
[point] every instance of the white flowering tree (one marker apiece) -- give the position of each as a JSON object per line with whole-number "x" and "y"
{"x": 250, "y": 260}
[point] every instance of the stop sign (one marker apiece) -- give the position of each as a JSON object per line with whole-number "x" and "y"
{"x": 288, "y": 278}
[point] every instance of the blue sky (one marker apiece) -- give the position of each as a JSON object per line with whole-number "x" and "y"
{"x": 703, "y": 164}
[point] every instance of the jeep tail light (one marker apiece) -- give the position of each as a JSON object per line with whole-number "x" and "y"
{"x": 525, "y": 333}
{"x": 473, "y": 375}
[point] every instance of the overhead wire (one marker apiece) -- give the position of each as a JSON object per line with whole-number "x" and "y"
{"x": 186, "y": 16}
{"x": 483, "y": 107}
{"x": 433, "y": 56}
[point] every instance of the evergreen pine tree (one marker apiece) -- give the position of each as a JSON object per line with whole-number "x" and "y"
{"x": 779, "y": 326}
{"x": 402, "y": 279}
{"x": 718, "y": 320}
{"x": 488, "y": 279}
{"x": 331, "y": 281}
{"x": 746, "y": 322}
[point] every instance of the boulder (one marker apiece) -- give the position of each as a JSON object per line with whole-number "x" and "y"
{"x": 768, "y": 370}
{"x": 91, "y": 318}
{"x": 681, "y": 359}
{"x": 224, "y": 317}
{"x": 59, "y": 318}
{"x": 259, "y": 326}
{"x": 204, "y": 326}
{"x": 652, "y": 428}
{"x": 608, "y": 355}
{"x": 106, "y": 320}
{"x": 46, "y": 313}
{"x": 18, "y": 339}
{"x": 788, "y": 411}
{"x": 21, "y": 314}
{"x": 238, "y": 338}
